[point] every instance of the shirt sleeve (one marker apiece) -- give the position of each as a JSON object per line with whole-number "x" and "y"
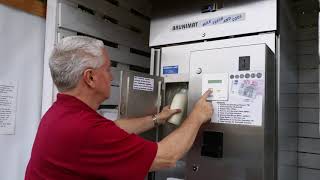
{"x": 110, "y": 152}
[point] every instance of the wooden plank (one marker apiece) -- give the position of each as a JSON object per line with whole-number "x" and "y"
{"x": 308, "y": 19}
{"x": 288, "y": 100}
{"x": 287, "y": 172}
{"x": 308, "y": 115}
{"x": 309, "y": 47}
{"x": 309, "y": 145}
{"x": 124, "y": 16}
{"x": 307, "y": 34}
{"x": 309, "y": 160}
{"x": 308, "y": 174}
{"x": 288, "y": 129}
{"x": 286, "y": 115}
{"x": 73, "y": 19}
{"x": 309, "y": 130}
{"x": 309, "y": 100}
{"x": 308, "y": 61}
{"x": 289, "y": 75}
{"x": 287, "y": 143}
{"x": 304, "y": 5}
{"x": 34, "y": 7}
{"x": 309, "y": 76}
{"x": 309, "y": 88}
{"x": 307, "y": 43}
{"x": 288, "y": 88}
{"x": 288, "y": 157}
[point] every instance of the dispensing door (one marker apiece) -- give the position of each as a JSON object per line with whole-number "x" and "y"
{"x": 140, "y": 96}
{"x": 239, "y": 141}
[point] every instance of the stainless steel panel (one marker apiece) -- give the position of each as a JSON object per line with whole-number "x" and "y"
{"x": 137, "y": 102}
{"x": 248, "y": 151}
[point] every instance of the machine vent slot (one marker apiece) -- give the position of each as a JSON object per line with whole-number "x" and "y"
{"x": 139, "y": 52}
{"x": 105, "y": 42}
{"x": 86, "y": 10}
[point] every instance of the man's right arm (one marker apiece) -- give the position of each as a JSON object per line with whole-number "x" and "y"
{"x": 176, "y": 144}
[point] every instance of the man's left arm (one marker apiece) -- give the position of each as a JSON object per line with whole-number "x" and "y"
{"x": 142, "y": 124}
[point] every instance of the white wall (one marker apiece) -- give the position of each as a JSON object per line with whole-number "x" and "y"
{"x": 21, "y": 60}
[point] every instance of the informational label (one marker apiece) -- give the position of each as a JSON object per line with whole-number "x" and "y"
{"x": 210, "y": 22}
{"x": 170, "y": 69}
{"x": 245, "y": 103}
{"x": 143, "y": 84}
{"x": 8, "y": 100}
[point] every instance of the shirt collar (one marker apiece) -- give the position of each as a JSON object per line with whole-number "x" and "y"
{"x": 68, "y": 100}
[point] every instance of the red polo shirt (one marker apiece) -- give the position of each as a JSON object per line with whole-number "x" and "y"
{"x": 74, "y": 142}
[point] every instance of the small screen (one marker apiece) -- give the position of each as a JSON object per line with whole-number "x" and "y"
{"x": 214, "y": 81}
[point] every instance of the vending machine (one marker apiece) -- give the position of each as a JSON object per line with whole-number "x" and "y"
{"x": 239, "y": 141}
{"x": 239, "y": 50}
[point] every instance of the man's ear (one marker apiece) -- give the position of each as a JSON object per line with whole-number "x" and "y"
{"x": 88, "y": 78}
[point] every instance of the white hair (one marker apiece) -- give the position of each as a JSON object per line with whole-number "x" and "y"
{"x": 71, "y": 57}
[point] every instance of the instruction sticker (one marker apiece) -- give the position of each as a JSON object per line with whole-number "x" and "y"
{"x": 245, "y": 92}
{"x": 8, "y": 103}
{"x": 143, "y": 84}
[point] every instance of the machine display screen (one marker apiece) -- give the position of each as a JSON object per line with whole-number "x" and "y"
{"x": 214, "y": 81}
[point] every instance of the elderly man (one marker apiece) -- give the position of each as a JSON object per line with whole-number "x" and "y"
{"x": 74, "y": 142}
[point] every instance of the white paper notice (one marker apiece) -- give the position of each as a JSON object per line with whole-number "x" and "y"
{"x": 245, "y": 99}
{"x": 111, "y": 114}
{"x": 143, "y": 84}
{"x": 8, "y": 100}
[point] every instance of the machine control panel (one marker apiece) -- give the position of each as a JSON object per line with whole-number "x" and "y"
{"x": 219, "y": 84}
{"x": 237, "y": 96}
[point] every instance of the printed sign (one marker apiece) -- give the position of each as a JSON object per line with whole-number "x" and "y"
{"x": 8, "y": 100}
{"x": 170, "y": 69}
{"x": 210, "y": 22}
{"x": 143, "y": 84}
{"x": 244, "y": 104}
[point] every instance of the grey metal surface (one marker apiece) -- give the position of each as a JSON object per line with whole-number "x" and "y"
{"x": 137, "y": 102}
{"x": 248, "y": 151}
